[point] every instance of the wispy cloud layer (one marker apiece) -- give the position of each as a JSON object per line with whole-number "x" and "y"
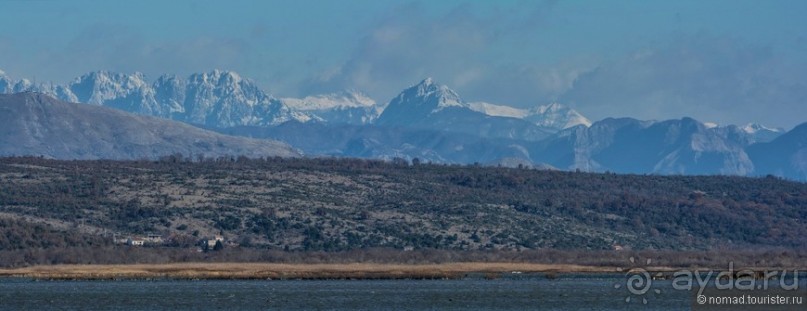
{"x": 405, "y": 46}
{"x": 711, "y": 77}
{"x": 469, "y": 51}
{"x": 118, "y": 48}
{"x": 644, "y": 60}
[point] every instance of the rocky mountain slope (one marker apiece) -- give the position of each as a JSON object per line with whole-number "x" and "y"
{"x": 784, "y": 156}
{"x": 627, "y": 145}
{"x": 36, "y": 124}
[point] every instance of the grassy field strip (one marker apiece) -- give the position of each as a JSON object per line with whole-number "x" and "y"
{"x": 288, "y": 271}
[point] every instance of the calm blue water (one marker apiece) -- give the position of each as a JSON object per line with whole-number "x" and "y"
{"x": 512, "y": 293}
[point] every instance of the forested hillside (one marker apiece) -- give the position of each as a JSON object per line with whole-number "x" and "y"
{"x": 348, "y": 204}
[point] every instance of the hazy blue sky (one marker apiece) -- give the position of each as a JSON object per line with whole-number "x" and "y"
{"x": 724, "y": 61}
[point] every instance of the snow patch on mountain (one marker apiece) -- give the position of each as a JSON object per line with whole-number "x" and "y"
{"x": 498, "y": 110}
{"x": 344, "y": 99}
{"x": 554, "y": 116}
{"x": 761, "y": 133}
{"x": 557, "y": 116}
{"x": 753, "y": 128}
{"x": 710, "y": 125}
{"x": 348, "y": 107}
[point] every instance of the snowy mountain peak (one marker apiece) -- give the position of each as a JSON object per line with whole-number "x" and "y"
{"x": 223, "y": 99}
{"x": 105, "y": 78}
{"x": 126, "y": 92}
{"x": 431, "y": 93}
{"x": 753, "y": 128}
{"x": 419, "y": 101}
{"x": 230, "y": 76}
{"x": 23, "y": 86}
{"x": 218, "y": 77}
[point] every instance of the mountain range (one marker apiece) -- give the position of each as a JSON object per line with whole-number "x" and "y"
{"x": 221, "y": 99}
{"x": 431, "y": 122}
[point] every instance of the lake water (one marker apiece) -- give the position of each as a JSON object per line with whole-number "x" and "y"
{"x": 518, "y": 292}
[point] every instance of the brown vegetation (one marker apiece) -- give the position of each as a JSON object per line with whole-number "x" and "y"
{"x": 287, "y": 271}
{"x": 121, "y": 255}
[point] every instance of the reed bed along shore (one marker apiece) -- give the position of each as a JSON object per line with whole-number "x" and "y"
{"x": 291, "y": 271}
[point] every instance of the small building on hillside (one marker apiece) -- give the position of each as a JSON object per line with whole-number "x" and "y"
{"x": 153, "y": 239}
{"x": 150, "y": 239}
{"x": 209, "y": 244}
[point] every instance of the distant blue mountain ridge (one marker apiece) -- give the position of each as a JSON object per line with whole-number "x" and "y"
{"x": 431, "y": 122}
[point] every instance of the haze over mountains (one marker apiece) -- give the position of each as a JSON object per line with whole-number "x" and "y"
{"x": 431, "y": 122}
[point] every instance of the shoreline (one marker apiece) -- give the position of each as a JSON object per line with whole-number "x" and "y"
{"x": 324, "y": 271}
{"x": 281, "y": 271}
